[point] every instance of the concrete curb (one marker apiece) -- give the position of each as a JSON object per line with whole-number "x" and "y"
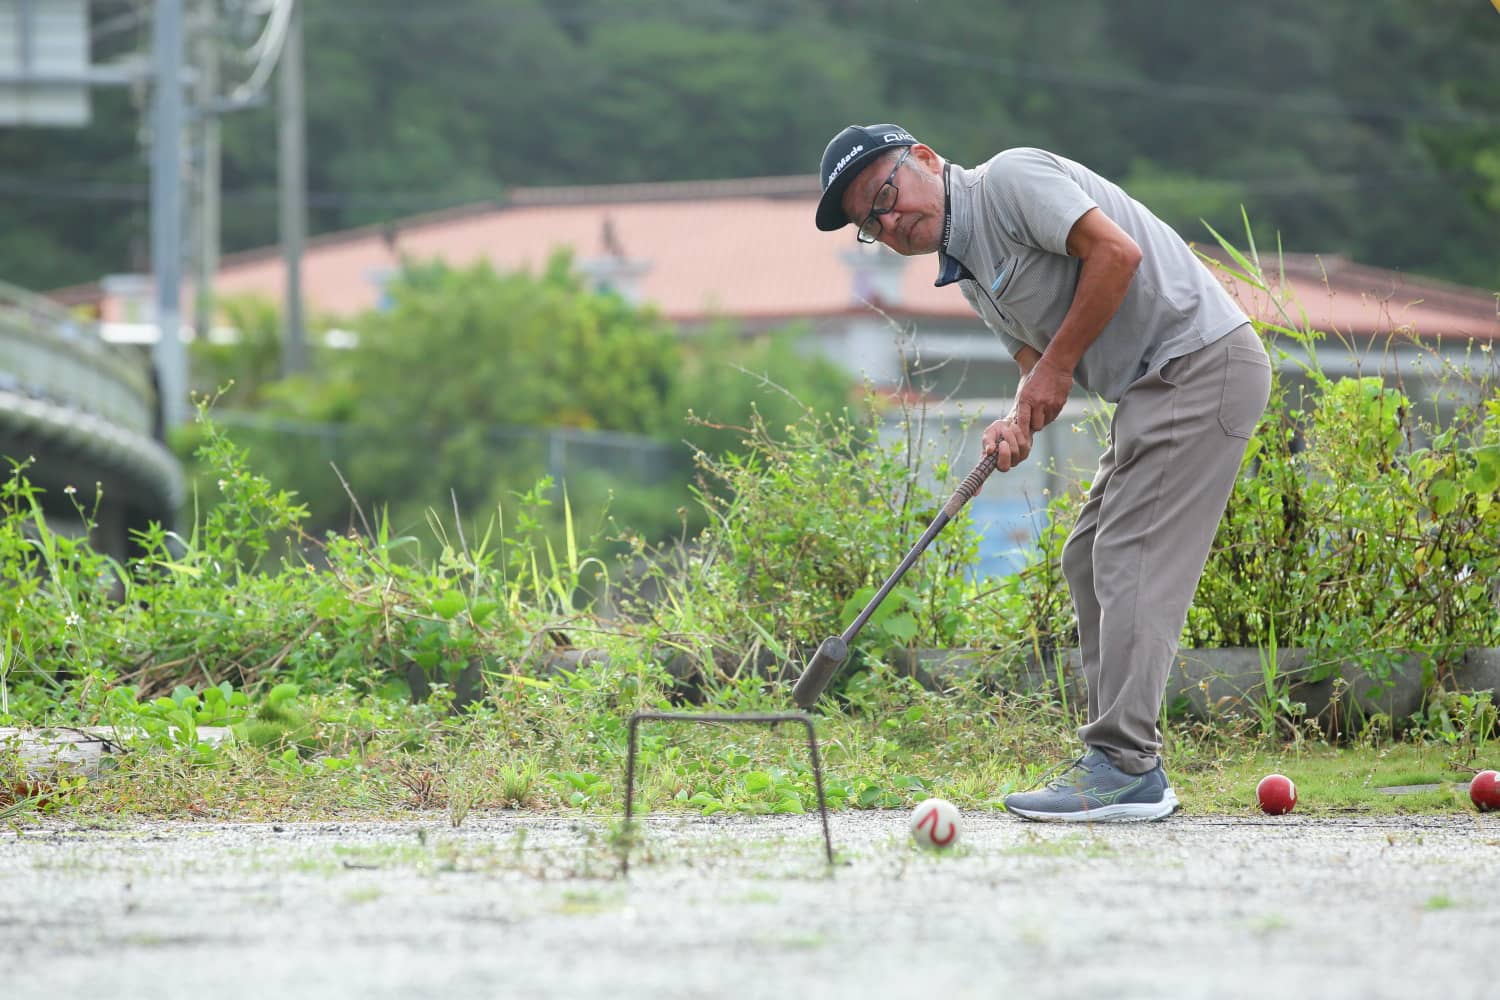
{"x": 1214, "y": 682}
{"x": 60, "y": 750}
{"x": 1207, "y": 683}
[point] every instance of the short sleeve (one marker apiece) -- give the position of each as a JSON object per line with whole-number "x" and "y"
{"x": 1035, "y": 199}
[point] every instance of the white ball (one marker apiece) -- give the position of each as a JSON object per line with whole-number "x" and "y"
{"x": 934, "y": 824}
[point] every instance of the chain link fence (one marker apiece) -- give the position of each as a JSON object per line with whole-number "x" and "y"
{"x": 474, "y": 467}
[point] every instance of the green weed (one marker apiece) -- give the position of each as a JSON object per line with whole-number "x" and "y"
{"x": 380, "y": 674}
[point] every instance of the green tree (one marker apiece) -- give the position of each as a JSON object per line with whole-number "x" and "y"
{"x": 449, "y": 395}
{"x": 413, "y": 109}
{"x": 510, "y": 349}
{"x": 725, "y": 377}
{"x": 666, "y": 98}
{"x": 73, "y": 200}
{"x": 1460, "y": 42}
{"x": 239, "y": 369}
{"x": 1363, "y": 127}
{"x": 464, "y": 358}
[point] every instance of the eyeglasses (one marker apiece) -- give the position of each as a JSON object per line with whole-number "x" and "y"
{"x": 885, "y": 200}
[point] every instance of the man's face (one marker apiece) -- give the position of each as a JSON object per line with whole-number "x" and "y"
{"x": 913, "y": 223}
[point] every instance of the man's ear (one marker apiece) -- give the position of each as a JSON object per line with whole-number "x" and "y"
{"x": 927, "y": 156}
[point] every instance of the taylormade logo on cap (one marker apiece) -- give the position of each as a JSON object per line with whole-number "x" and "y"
{"x": 888, "y": 139}
{"x": 844, "y": 156}
{"x": 838, "y": 167}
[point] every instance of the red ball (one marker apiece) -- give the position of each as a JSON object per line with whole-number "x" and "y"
{"x": 1485, "y": 790}
{"x": 1276, "y": 794}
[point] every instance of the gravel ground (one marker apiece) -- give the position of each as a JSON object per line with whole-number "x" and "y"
{"x": 524, "y": 905}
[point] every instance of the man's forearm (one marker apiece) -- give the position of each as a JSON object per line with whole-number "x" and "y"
{"x": 1102, "y": 284}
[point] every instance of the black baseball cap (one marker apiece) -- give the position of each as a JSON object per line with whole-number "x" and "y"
{"x": 844, "y": 158}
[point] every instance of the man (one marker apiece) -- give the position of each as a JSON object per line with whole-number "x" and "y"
{"x": 1085, "y": 285}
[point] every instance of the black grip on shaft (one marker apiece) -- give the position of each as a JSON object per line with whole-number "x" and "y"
{"x": 971, "y": 485}
{"x": 820, "y": 670}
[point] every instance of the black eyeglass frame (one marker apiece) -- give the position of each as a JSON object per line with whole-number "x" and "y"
{"x": 867, "y": 234}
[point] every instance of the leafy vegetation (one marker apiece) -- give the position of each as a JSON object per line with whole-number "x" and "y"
{"x": 375, "y": 672}
{"x": 495, "y": 663}
{"x": 1363, "y": 525}
{"x": 517, "y": 373}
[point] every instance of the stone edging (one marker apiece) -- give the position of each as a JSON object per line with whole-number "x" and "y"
{"x": 1206, "y": 682}
{"x": 1212, "y": 682}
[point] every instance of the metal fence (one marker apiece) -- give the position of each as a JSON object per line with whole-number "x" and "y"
{"x": 524, "y": 454}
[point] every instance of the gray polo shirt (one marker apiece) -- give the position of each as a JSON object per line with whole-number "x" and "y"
{"x": 1007, "y": 247}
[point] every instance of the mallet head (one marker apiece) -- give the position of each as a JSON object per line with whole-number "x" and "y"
{"x": 820, "y": 669}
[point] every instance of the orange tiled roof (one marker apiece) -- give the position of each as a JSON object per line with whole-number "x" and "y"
{"x": 748, "y": 256}
{"x": 748, "y": 250}
{"x": 1334, "y": 294}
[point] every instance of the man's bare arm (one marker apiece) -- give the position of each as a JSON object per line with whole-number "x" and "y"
{"x": 1010, "y": 443}
{"x": 1110, "y": 258}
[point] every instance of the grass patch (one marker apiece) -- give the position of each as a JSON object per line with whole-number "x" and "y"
{"x": 562, "y": 749}
{"x": 384, "y": 856}
{"x": 1328, "y": 779}
{"x": 393, "y": 671}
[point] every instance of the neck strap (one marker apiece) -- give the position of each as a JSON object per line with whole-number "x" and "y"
{"x": 947, "y": 206}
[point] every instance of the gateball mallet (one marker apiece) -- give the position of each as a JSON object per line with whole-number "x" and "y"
{"x": 833, "y": 650}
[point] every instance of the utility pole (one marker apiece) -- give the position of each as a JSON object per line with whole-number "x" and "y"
{"x": 292, "y": 134}
{"x": 207, "y": 158}
{"x": 166, "y": 211}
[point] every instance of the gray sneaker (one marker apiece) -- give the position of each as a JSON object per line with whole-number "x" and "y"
{"x": 1093, "y": 790}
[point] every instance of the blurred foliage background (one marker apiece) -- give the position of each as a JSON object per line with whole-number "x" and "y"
{"x": 472, "y": 385}
{"x": 1336, "y": 124}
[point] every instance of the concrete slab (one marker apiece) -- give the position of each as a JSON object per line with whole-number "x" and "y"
{"x": 526, "y": 905}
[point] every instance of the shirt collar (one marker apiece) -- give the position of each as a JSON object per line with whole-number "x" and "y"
{"x": 956, "y": 231}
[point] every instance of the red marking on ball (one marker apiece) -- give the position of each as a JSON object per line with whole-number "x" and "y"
{"x": 1276, "y": 794}
{"x": 1484, "y": 790}
{"x": 930, "y": 820}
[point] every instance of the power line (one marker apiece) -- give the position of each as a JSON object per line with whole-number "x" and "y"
{"x": 266, "y": 51}
{"x": 346, "y": 13}
{"x": 89, "y": 189}
{"x": 126, "y": 192}
{"x": 75, "y": 190}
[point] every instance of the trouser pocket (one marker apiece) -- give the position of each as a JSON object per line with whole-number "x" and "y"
{"x": 1247, "y": 386}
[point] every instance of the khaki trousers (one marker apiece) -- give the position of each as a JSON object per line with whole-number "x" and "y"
{"x": 1134, "y": 558}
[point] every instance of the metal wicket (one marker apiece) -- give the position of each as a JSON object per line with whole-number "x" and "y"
{"x": 771, "y": 720}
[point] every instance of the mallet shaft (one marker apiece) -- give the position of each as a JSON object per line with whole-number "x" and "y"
{"x": 833, "y": 650}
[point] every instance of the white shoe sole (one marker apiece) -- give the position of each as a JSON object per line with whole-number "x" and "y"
{"x": 1129, "y": 812}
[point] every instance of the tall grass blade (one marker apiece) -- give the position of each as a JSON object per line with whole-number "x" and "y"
{"x": 572, "y": 542}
